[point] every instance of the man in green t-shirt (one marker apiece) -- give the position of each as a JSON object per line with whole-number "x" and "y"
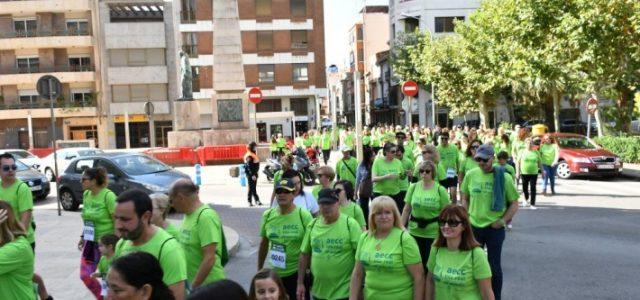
{"x": 449, "y": 158}
{"x": 347, "y": 167}
{"x": 133, "y": 222}
{"x": 200, "y": 235}
{"x": 329, "y": 244}
{"x": 488, "y": 212}
{"x": 325, "y": 144}
{"x": 18, "y": 195}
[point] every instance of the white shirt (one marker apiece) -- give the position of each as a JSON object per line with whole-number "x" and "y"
{"x": 305, "y": 200}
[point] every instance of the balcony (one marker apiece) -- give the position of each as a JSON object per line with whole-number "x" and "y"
{"x": 31, "y": 74}
{"x": 46, "y": 104}
{"x": 41, "y": 109}
{"x": 32, "y": 39}
{"x": 57, "y": 6}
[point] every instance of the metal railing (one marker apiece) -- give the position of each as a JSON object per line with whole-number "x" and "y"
{"x": 40, "y": 69}
{"x": 187, "y": 16}
{"x": 46, "y": 104}
{"x": 41, "y": 33}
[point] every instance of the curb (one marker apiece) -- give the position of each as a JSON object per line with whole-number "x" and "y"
{"x": 233, "y": 240}
{"x": 630, "y": 173}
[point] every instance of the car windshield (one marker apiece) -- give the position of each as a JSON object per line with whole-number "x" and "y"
{"x": 21, "y": 166}
{"x": 140, "y": 165}
{"x": 576, "y": 142}
{"x": 21, "y": 154}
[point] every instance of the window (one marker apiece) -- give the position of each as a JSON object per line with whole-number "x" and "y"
{"x": 299, "y": 106}
{"x": 300, "y": 72}
{"x": 361, "y": 55}
{"x": 26, "y": 27}
{"x": 411, "y": 24}
{"x": 81, "y": 165}
{"x": 266, "y": 73}
{"x": 298, "y": 39}
{"x": 139, "y": 92}
{"x": 83, "y": 98}
{"x": 275, "y": 129}
{"x": 28, "y": 65}
{"x": 79, "y": 64}
{"x": 298, "y": 8}
{"x": 77, "y": 27}
{"x": 29, "y": 99}
{"x": 352, "y": 58}
{"x": 263, "y": 8}
{"x": 190, "y": 43}
{"x": 188, "y": 14}
{"x": 265, "y": 40}
{"x": 360, "y": 33}
{"x": 446, "y": 24}
{"x": 269, "y": 105}
{"x": 137, "y": 57}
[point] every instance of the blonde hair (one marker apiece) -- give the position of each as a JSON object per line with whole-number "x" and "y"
{"x": 161, "y": 201}
{"x": 430, "y": 165}
{"x": 433, "y": 151}
{"x": 328, "y": 171}
{"x": 11, "y": 228}
{"x": 377, "y": 205}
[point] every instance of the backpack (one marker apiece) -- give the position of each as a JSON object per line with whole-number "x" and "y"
{"x": 224, "y": 253}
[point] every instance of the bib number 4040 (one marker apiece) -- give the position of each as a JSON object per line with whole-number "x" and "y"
{"x": 278, "y": 256}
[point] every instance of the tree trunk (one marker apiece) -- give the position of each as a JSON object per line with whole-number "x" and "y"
{"x": 483, "y": 110}
{"x": 625, "y": 107}
{"x": 556, "y": 111}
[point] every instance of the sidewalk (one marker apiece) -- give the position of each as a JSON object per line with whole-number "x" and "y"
{"x": 631, "y": 171}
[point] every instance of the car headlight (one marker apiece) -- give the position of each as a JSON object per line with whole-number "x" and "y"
{"x": 154, "y": 188}
{"x": 582, "y": 160}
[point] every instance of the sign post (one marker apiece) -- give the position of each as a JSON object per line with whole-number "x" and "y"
{"x": 149, "y": 109}
{"x": 409, "y": 89}
{"x": 255, "y": 97}
{"x": 49, "y": 87}
{"x": 592, "y": 106}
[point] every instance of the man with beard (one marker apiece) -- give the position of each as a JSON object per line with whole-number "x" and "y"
{"x": 133, "y": 224}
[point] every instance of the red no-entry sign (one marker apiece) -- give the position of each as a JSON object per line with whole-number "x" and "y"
{"x": 255, "y": 95}
{"x": 592, "y": 105}
{"x": 410, "y": 88}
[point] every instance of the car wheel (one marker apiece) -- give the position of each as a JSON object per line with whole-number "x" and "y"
{"x": 49, "y": 174}
{"x": 563, "y": 170}
{"x": 68, "y": 201}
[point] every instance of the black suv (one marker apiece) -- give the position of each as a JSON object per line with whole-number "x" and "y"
{"x": 125, "y": 170}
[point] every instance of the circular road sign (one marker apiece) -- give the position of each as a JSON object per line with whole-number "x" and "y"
{"x": 255, "y": 95}
{"x": 592, "y": 105}
{"x": 410, "y": 88}
{"x": 49, "y": 87}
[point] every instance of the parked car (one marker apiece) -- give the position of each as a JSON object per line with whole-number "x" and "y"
{"x": 579, "y": 155}
{"x": 24, "y": 156}
{"x": 65, "y": 156}
{"x": 37, "y": 182}
{"x": 573, "y": 126}
{"x": 126, "y": 171}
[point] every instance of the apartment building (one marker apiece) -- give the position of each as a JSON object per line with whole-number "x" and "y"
{"x": 138, "y": 43}
{"x": 37, "y": 38}
{"x": 280, "y": 50}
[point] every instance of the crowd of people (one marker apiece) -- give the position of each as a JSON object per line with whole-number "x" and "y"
{"x": 422, "y": 216}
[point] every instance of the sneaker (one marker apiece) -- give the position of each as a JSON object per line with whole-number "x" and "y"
{"x": 509, "y": 226}
{"x": 533, "y": 207}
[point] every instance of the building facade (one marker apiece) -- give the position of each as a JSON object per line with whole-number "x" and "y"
{"x": 54, "y": 37}
{"x": 281, "y": 51}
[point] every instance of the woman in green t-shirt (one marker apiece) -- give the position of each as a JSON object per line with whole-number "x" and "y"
{"x": 16, "y": 270}
{"x": 160, "y": 212}
{"x": 387, "y": 258}
{"x": 550, "y": 155}
{"x": 468, "y": 163}
{"x": 423, "y": 203}
{"x": 98, "y": 206}
{"x": 528, "y": 166}
{"x": 348, "y": 206}
{"x": 386, "y": 174}
{"x": 458, "y": 267}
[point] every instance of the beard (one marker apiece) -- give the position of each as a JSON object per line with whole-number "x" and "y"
{"x": 134, "y": 234}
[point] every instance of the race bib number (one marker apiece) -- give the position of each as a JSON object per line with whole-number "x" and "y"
{"x": 103, "y": 287}
{"x": 89, "y": 231}
{"x": 278, "y": 256}
{"x": 451, "y": 172}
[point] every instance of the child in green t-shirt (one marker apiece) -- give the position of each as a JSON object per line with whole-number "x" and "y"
{"x": 107, "y": 246}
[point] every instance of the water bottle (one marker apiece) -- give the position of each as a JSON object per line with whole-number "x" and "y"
{"x": 243, "y": 175}
{"x": 198, "y": 174}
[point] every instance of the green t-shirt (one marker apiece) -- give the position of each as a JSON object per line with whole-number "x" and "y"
{"x": 441, "y": 173}
{"x": 201, "y": 228}
{"x": 281, "y": 142}
{"x": 173, "y": 231}
{"x": 16, "y": 270}
{"x": 326, "y": 141}
{"x": 366, "y": 140}
{"x": 385, "y": 264}
{"x": 426, "y": 204}
{"x": 508, "y": 168}
{"x": 163, "y": 247}
{"x": 355, "y": 211}
{"x": 348, "y": 139}
{"x": 381, "y": 167}
{"x": 449, "y": 157}
{"x": 548, "y": 152}
{"x": 285, "y": 234}
{"x": 407, "y": 165}
{"x": 308, "y": 142}
{"x": 501, "y": 146}
{"x": 376, "y": 140}
{"x": 529, "y": 162}
{"x": 478, "y": 186}
{"x": 346, "y": 169}
{"x": 456, "y": 273}
{"x": 316, "y": 190}
{"x": 19, "y": 196}
{"x": 273, "y": 147}
{"x": 517, "y": 147}
{"x": 104, "y": 264}
{"x": 98, "y": 210}
{"x": 467, "y": 165}
{"x": 409, "y": 148}
{"x": 332, "y": 248}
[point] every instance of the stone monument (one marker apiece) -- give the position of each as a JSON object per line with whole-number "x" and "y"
{"x": 187, "y": 131}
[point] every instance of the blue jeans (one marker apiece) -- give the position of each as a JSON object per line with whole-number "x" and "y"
{"x": 549, "y": 175}
{"x": 493, "y": 239}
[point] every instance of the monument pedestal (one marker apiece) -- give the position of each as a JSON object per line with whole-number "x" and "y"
{"x": 216, "y": 137}
{"x": 187, "y": 131}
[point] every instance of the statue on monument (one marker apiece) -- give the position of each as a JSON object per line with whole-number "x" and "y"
{"x": 186, "y": 77}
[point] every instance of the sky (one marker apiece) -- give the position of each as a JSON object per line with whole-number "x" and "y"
{"x": 339, "y": 16}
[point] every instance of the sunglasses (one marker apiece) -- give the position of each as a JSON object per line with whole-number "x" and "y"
{"x": 481, "y": 160}
{"x": 452, "y": 223}
{"x": 278, "y": 192}
{"x": 8, "y": 168}
{"x": 425, "y": 171}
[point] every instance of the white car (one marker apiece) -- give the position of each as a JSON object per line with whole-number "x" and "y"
{"x": 65, "y": 156}
{"x": 25, "y": 157}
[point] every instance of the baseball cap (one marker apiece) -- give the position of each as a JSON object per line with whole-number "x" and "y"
{"x": 286, "y": 184}
{"x": 345, "y": 148}
{"x": 485, "y": 151}
{"x": 327, "y": 196}
{"x": 401, "y": 135}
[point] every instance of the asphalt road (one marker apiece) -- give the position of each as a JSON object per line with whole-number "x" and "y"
{"x": 583, "y": 243}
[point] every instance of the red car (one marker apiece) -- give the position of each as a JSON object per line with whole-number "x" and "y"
{"x": 581, "y": 156}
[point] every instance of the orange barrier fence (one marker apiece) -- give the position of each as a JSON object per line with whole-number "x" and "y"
{"x": 183, "y": 156}
{"x": 221, "y": 154}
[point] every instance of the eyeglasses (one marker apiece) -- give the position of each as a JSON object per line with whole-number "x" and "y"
{"x": 278, "y": 192}
{"x": 452, "y": 223}
{"x": 425, "y": 171}
{"x": 8, "y": 168}
{"x": 481, "y": 160}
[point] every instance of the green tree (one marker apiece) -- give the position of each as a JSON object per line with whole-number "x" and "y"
{"x": 405, "y": 49}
